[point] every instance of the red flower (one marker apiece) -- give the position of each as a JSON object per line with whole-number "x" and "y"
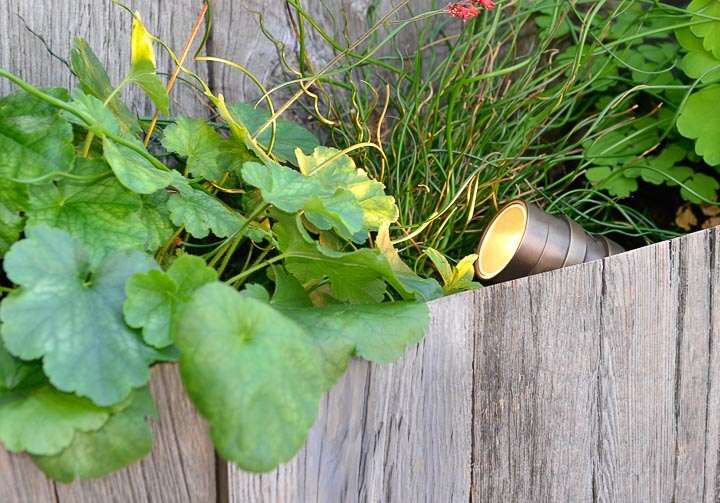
{"x": 485, "y": 4}
{"x": 463, "y": 10}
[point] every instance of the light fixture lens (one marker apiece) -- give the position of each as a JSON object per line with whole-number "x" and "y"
{"x": 502, "y": 240}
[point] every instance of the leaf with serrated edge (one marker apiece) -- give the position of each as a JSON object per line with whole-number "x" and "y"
{"x": 200, "y": 143}
{"x": 70, "y": 315}
{"x": 201, "y": 213}
{"x": 99, "y": 211}
{"x": 252, "y": 372}
{"x": 124, "y": 439}
{"x": 154, "y": 298}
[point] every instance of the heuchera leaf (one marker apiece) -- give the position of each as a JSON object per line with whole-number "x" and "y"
{"x": 200, "y": 143}
{"x": 98, "y": 210}
{"x": 288, "y": 135}
{"x": 34, "y": 138}
{"x": 699, "y": 120}
{"x": 124, "y": 439}
{"x": 155, "y": 298}
{"x": 70, "y": 315}
{"x": 252, "y": 372}
{"x": 44, "y": 420}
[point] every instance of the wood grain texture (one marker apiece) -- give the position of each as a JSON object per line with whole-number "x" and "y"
{"x": 397, "y": 432}
{"x": 181, "y": 467}
{"x": 106, "y": 27}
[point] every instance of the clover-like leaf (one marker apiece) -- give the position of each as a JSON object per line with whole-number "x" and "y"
{"x": 70, "y": 315}
{"x": 252, "y": 372}
{"x": 706, "y": 24}
{"x": 699, "y": 120}
{"x": 35, "y": 139}
{"x": 124, "y": 439}
{"x": 155, "y": 298}
{"x": 44, "y": 420}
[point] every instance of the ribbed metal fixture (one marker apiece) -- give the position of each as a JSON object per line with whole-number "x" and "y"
{"x": 522, "y": 240}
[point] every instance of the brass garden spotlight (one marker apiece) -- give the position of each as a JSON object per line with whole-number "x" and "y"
{"x": 522, "y": 240}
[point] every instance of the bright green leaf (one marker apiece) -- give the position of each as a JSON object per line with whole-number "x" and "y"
{"x": 35, "y": 139}
{"x": 699, "y": 188}
{"x": 252, "y": 372}
{"x": 70, "y": 314}
{"x": 102, "y": 121}
{"x": 612, "y": 181}
{"x": 155, "y": 298}
{"x": 124, "y": 439}
{"x": 707, "y": 24}
{"x": 44, "y": 420}
{"x": 699, "y": 120}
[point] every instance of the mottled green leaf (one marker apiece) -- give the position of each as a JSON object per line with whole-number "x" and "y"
{"x": 380, "y": 333}
{"x": 70, "y": 314}
{"x": 252, "y": 372}
{"x": 35, "y": 139}
{"x": 124, "y": 439}
{"x": 98, "y": 210}
{"x": 202, "y": 213}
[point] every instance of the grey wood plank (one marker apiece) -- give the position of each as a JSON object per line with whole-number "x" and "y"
{"x": 535, "y": 388}
{"x": 181, "y": 467}
{"x": 106, "y": 27}
{"x": 397, "y": 432}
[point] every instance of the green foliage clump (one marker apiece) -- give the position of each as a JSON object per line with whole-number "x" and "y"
{"x": 247, "y": 262}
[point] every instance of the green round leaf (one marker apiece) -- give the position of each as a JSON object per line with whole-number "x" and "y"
{"x": 252, "y": 372}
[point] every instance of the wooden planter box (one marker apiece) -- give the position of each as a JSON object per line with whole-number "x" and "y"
{"x": 594, "y": 383}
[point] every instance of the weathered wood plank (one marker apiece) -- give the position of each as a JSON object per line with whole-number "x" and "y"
{"x": 398, "y": 432}
{"x": 106, "y": 27}
{"x": 180, "y": 468}
{"x": 535, "y": 388}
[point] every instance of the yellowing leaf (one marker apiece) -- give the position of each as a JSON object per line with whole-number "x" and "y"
{"x": 141, "y": 43}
